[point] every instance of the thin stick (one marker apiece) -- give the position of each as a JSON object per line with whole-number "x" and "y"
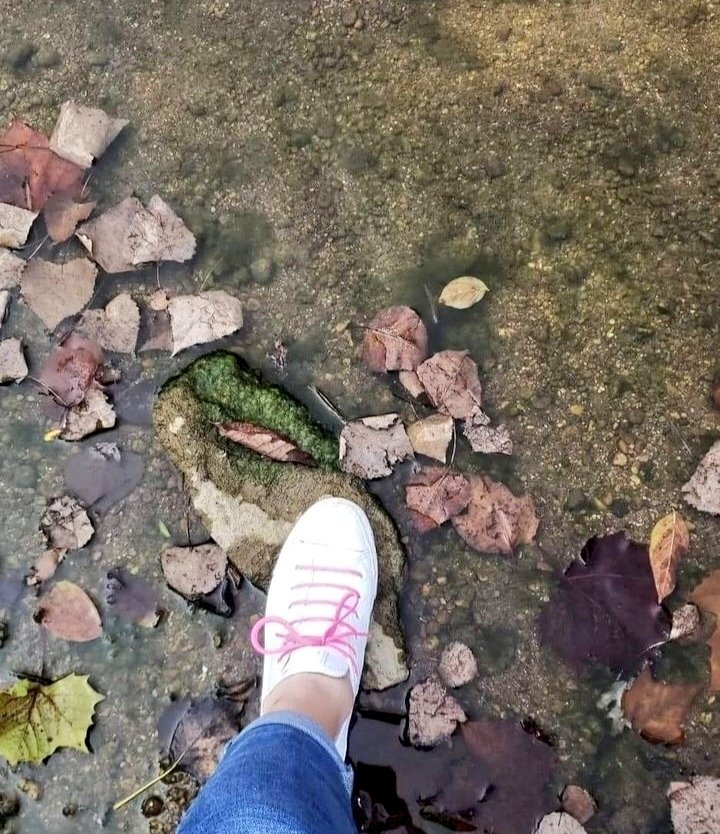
{"x": 328, "y": 403}
{"x": 452, "y": 456}
{"x": 136, "y": 793}
{"x": 38, "y": 247}
{"x": 47, "y": 388}
{"x": 431, "y": 301}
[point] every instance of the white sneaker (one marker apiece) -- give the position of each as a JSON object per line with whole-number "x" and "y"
{"x": 320, "y": 600}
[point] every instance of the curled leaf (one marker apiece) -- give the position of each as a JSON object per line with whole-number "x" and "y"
{"x": 669, "y": 542}
{"x": 395, "y": 340}
{"x": 265, "y": 442}
{"x": 462, "y": 293}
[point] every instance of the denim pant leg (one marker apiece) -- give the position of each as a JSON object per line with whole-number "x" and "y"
{"x": 281, "y": 775}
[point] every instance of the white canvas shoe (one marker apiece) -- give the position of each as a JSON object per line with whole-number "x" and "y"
{"x": 320, "y": 600}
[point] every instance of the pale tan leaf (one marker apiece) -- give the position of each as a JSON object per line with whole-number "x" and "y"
{"x": 432, "y": 436}
{"x": 410, "y": 381}
{"x": 13, "y": 367}
{"x": 94, "y": 413}
{"x": 11, "y": 269}
{"x": 82, "y": 134}
{"x": 15, "y": 223}
{"x": 488, "y": 440}
{"x": 194, "y": 571}
{"x": 66, "y": 524}
{"x": 45, "y": 565}
{"x": 370, "y": 446}
{"x": 559, "y": 823}
{"x": 205, "y": 317}
{"x": 462, "y": 293}
{"x": 669, "y": 542}
{"x": 55, "y": 291}
{"x": 116, "y": 327}
{"x": 702, "y": 491}
{"x": 62, "y": 215}
{"x": 68, "y": 612}
{"x": 265, "y": 442}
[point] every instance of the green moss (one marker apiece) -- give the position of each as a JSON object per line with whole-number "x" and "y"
{"x": 227, "y": 392}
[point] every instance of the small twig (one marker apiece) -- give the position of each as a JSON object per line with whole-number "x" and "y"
{"x": 431, "y": 301}
{"x": 681, "y": 439}
{"x": 452, "y": 456}
{"x": 136, "y": 793}
{"x": 38, "y": 248}
{"x": 328, "y": 403}
{"x": 49, "y": 390}
{"x": 85, "y": 184}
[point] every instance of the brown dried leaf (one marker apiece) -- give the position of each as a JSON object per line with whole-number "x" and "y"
{"x": 45, "y": 565}
{"x": 65, "y": 523}
{"x": 433, "y": 714}
{"x": 15, "y": 224}
{"x": 489, "y": 441}
{"x": 265, "y": 442}
{"x": 370, "y": 446}
{"x": 83, "y": 134}
{"x": 94, "y": 413}
{"x": 702, "y": 491}
{"x": 577, "y": 802}
{"x": 669, "y": 542}
{"x": 194, "y": 571}
{"x": 435, "y": 494}
{"x": 129, "y": 234}
{"x": 116, "y": 327}
{"x": 62, "y": 214}
{"x": 431, "y": 436}
{"x": 68, "y": 612}
{"x": 55, "y": 291}
{"x": 395, "y": 340}
{"x": 11, "y": 269}
{"x": 707, "y": 597}
{"x": 496, "y": 521}
{"x": 13, "y": 367}
{"x": 30, "y": 172}
{"x": 451, "y": 381}
{"x": 201, "y": 318}
{"x": 695, "y": 805}
{"x": 71, "y": 369}
{"x": 656, "y": 709}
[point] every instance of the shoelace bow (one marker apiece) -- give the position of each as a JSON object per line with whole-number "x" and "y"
{"x": 338, "y": 634}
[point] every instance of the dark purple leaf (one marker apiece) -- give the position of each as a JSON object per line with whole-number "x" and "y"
{"x": 103, "y": 475}
{"x": 605, "y": 609}
{"x": 132, "y": 598}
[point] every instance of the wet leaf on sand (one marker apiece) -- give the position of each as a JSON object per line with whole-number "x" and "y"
{"x": 69, "y": 372}
{"x": 496, "y": 521}
{"x": 658, "y": 709}
{"x": 457, "y": 665}
{"x": 462, "y": 293}
{"x": 94, "y": 413}
{"x": 13, "y": 367}
{"x": 83, "y": 134}
{"x": 702, "y": 491}
{"x": 11, "y": 269}
{"x": 194, "y": 571}
{"x": 128, "y": 235}
{"x": 55, "y": 291}
{"x": 488, "y": 440}
{"x": 205, "y": 317}
{"x": 203, "y": 728}
{"x": 45, "y": 565}
{"x": 432, "y": 436}
{"x": 62, "y": 215}
{"x": 36, "y": 719}
{"x": 265, "y": 442}
{"x": 559, "y": 823}
{"x": 450, "y": 378}
{"x": 669, "y": 542}
{"x": 15, "y": 223}
{"x": 395, "y": 340}
{"x": 102, "y": 475}
{"x": 371, "y": 446}
{"x": 605, "y": 608}
{"x": 67, "y": 612}
{"x": 695, "y": 805}
{"x": 30, "y": 172}
{"x": 707, "y": 597}
{"x": 433, "y": 714}
{"x": 435, "y": 495}
{"x": 66, "y": 524}
{"x": 116, "y": 327}
{"x": 132, "y": 598}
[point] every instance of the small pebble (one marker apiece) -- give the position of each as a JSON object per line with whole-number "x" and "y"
{"x": 620, "y": 459}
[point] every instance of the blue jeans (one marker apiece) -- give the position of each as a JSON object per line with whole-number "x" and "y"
{"x": 281, "y": 775}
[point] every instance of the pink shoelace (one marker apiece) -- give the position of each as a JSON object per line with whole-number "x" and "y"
{"x": 337, "y": 635}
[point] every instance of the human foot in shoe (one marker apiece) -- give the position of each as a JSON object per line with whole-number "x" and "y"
{"x": 317, "y": 617}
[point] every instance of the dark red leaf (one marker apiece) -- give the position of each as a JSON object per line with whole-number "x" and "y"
{"x": 395, "y": 340}
{"x": 70, "y": 371}
{"x": 435, "y": 495}
{"x": 605, "y": 609}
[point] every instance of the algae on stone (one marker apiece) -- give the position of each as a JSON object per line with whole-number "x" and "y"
{"x": 249, "y": 503}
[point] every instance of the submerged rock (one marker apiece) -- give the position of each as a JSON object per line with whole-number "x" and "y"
{"x": 250, "y": 503}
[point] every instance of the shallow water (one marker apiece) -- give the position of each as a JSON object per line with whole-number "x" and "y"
{"x": 565, "y": 153}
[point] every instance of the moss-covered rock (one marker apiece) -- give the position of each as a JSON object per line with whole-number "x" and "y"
{"x": 250, "y": 503}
